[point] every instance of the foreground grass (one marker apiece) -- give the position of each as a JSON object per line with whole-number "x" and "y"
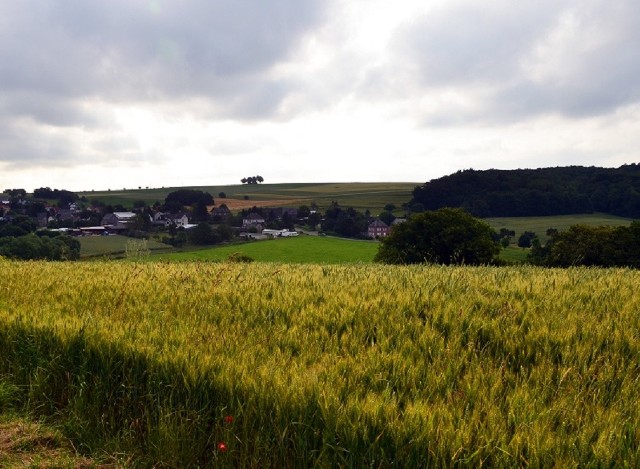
{"x": 24, "y": 443}
{"x": 360, "y": 365}
{"x": 301, "y": 249}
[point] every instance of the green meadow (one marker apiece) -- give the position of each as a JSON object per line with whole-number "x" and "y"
{"x": 540, "y": 225}
{"x": 113, "y": 246}
{"x": 298, "y": 250}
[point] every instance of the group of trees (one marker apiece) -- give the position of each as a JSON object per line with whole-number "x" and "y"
{"x": 604, "y": 246}
{"x": 453, "y": 236}
{"x": 252, "y": 180}
{"x": 197, "y": 201}
{"x": 535, "y": 192}
{"x": 64, "y": 197}
{"x": 346, "y": 222}
{"x": 445, "y": 236}
{"x": 43, "y": 245}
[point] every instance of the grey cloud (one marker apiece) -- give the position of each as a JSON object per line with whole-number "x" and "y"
{"x": 55, "y": 57}
{"x": 22, "y": 146}
{"x": 126, "y": 50}
{"x": 48, "y": 109}
{"x": 486, "y": 49}
{"x": 473, "y": 43}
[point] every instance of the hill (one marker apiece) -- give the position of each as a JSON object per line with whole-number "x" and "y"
{"x": 359, "y": 195}
{"x": 536, "y": 192}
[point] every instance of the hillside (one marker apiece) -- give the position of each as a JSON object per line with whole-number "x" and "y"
{"x": 536, "y": 192}
{"x": 359, "y": 195}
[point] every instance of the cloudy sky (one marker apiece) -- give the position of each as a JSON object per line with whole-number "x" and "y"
{"x": 119, "y": 93}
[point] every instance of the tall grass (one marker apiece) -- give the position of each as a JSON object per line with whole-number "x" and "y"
{"x": 329, "y": 365}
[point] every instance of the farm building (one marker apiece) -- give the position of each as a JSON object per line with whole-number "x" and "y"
{"x": 118, "y": 220}
{"x": 378, "y": 229}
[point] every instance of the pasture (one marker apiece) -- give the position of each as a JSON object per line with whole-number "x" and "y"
{"x": 113, "y": 246}
{"x": 301, "y": 249}
{"x": 539, "y": 225}
{"x": 228, "y": 365}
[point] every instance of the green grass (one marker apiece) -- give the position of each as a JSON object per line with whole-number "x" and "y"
{"x": 112, "y": 246}
{"x": 539, "y": 225}
{"x": 299, "y": 250}
{"x": 361, "y": 196}
{"x": 514, "y": 254}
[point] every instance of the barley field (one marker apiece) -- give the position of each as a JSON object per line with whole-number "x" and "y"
{"x": 275, "y": 365}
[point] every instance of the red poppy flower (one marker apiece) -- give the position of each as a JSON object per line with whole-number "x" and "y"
{"x": 228, "y": 419}
{"x": 222, "y": 447}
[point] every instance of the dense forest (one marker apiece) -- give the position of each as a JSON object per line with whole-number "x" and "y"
{"x": 535, "y": 192}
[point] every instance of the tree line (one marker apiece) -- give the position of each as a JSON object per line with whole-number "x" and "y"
{"x": 602, "y": 246}
{"x": 453, "y": 236}
{"x": 535, "y": 192}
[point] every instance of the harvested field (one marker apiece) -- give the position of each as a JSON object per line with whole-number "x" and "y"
{"x": 236, "y": 205}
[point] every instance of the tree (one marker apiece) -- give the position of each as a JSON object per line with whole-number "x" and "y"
{"x": 445, "y": 236}
{"x": 525, "y": 239}
{"x": 222, "y": 195}
{"x": 583, "y": 245}
{"x": 224, "y": 232}
{"x": 189, "y": 197}
{"x": 199, "y": 211}
{"x": 203, "y": 234}
{"x": 387, "y": 217}
{"x": 345, "y": 222}
{"x": 252, "y": 180}
{"x": 141, "y": 222}
{"x": 40, "y": 247}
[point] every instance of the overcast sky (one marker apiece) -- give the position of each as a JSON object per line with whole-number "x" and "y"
{"x": 119, "y": 93}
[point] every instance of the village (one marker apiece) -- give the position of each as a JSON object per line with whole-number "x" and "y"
{"x": 186, "y": 217}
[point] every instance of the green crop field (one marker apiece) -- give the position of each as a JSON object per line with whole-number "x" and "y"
{"x": 272, "y": 365}
{"x": 301, "y": 249}
{"x": 539, "y": 225}
{"x": 361, "y": 196}
{"x": 113, "y": 246}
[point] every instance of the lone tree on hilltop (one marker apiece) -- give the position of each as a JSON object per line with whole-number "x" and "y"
{"x": 252, "y": 180}
{"x": 445, "y": 236}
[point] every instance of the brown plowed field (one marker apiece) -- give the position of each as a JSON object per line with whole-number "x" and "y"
{"x": 236, "y": 205}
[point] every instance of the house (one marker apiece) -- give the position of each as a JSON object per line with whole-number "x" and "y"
{"x": 178, "y": 220}
{"x": 118, "y": 220}
{"x": 378, "y": 229}
{"x": 397, "y": 221}
{"x": 221, "y": 212}
{"x": 159, "y": 218}
{"x": 253, "y": 219}
{"x": 279, "y": 233}
{"x": 65, "y": 214}
{"x": 169, "y": 219}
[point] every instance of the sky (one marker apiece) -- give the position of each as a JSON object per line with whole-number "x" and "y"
{"x": 113, "y": 94}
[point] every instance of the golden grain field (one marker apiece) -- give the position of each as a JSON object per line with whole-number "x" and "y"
{"x": 308, "y": 365}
